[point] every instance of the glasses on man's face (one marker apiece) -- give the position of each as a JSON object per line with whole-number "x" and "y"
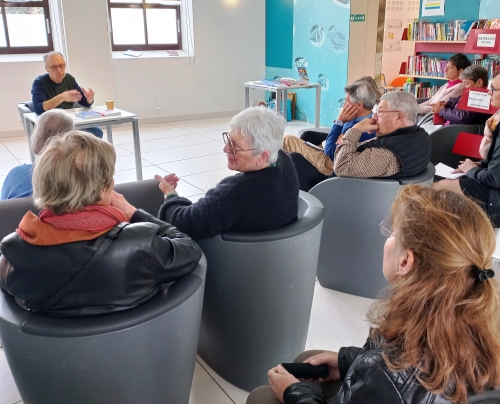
{"x": 386, "y": 228}
{"x": 382, "y": 111}
{"x": 58, "y": 67}
{"x": 493, "y": 89}
{"x": 232, "y": 146}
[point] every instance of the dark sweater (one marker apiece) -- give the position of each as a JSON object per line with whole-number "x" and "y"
{"x": 44, "y": 89}
{"x": 253, "y": 201}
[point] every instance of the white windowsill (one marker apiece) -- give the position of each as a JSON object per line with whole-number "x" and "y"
{"x": 151, "y": 54}
{"x": 24, "y": 57}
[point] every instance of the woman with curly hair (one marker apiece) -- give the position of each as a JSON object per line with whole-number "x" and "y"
{"x": 436, "y": 337}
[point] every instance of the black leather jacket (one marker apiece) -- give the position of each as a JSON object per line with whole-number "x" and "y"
{"x": 367, "y": 379}
{"x": 145, "y": 255}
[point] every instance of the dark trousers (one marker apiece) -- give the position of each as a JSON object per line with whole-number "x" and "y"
{"x": 308, "y": 175}
{"x": 95, "y": 131}
{"x": 264, "y": 394}
{"x": 313, "y": 137}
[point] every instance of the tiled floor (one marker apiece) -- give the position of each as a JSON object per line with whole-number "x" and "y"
{"x": 193, "y": 150}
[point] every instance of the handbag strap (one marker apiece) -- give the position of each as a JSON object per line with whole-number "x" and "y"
{"x": 108, "y": 239}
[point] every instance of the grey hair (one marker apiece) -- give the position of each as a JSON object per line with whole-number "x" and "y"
{"x": 47, "y": 55}
{"x": 264, "y": 127}
{"x": 51, "y": 123}
{"x": 362, "y": 91}
{"x": 404, "y": 102}
{"x": 474, "y": 73}
{"x": 373, "y": 84}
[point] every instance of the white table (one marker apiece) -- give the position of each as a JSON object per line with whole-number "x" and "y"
{"x": 281, "y": 94}
{"x": 125, "y": 117}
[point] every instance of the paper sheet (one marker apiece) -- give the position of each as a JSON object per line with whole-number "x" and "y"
{"x": 445, "y": 171}
{"x": 432, "y": 7}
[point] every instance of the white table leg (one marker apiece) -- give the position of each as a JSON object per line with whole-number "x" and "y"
{"x": 285, "y": 104}
{"x": 247, "y": 97}
{"x": 137, "y": 149}
{"x": 29, "y": 129}
{"x": 109, "y": 134}
{"x": 318, "y": 102}
{"x": 278, "y": 101}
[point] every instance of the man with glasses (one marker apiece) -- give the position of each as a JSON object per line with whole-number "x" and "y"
{"x": 262, "y": 196}
{"x": 400, "y": 149}
{"x": 58, "y": 89}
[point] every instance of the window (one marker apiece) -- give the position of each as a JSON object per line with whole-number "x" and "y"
{"x": 25, "y": 27}
{"x": 145, "y": 24}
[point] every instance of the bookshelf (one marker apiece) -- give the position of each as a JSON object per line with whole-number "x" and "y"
{"x": 424, "y": 77}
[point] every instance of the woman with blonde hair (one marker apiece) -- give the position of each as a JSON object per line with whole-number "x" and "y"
{"x": 88, "y": 251}
{"x": 436, "y": 337}
{"x": 18, "y": 184}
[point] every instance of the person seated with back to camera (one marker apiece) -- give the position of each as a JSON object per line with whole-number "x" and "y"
{"x": 481, "y": 181}
{"x": 434, "y": 336}
{"x": 454, "y": 67}
{"x": 18, "y": 183}
{"x": 313, "y": 165}
{"x": 58, "y": 89}
{"x": 262, "y": 196}
{"x": 401, "y": 148}
{"x": 81, "y": 214}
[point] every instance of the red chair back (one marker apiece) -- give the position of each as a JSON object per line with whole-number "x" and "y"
{"x": 467, "y": 144}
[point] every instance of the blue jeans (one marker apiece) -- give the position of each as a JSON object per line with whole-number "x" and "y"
{"x": 95, "y": 131}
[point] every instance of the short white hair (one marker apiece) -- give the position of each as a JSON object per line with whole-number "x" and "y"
{"x": 404, "y": 102}
{"x": 264, "y": 127}
{"x": 47, "y": 55}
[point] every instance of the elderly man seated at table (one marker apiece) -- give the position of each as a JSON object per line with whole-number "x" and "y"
{"x": 313, "y": 164}
{"x": 58, "y": 89}
{"x": 401, "y": 148}
{"x": 18, "y": 182}
{"x": 262, "y": 196}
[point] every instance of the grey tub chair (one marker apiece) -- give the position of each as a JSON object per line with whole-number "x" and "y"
{"x": 143, "y": 355}
{"x": 258, "y": 296}
{"x": 351, "y": 252}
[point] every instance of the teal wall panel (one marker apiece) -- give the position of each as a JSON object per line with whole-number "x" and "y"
{"x": 279, "y": 33}
{"x": 456, "y": 10}
{"x": 489, "y": 9}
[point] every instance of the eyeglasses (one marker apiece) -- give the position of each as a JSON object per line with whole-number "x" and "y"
{"x": 382, "y": 111}
{"x": 385, "y": 225}
{"x": 55, "y": 68}
{"x": 493, "y": 89}
{"x": 232, "y": 146}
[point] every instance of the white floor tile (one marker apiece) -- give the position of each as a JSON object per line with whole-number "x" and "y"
{"x": 21, "y": 153}
{"x": 168, "y": 143}
{"x": 6, "y": 155}
{"x": 15, "y": 142}
{"x": 2, "y": 179}
{"x": 205, "y": 390}
{"x": 216, "y": 135}
{"x": 25, "y": 161}
{"x": 128, "y": 162}
{"x": 196, "y": 165}
{"x": 293, "y": 127}
{"x": 337, "y": 320}
{"x": 120, "y": 151}
{"x": 196, "y": 198}
{"x": 210, "y": 179}
{"x": 238, "y": 396}
{"x": 163, "y": 133}
{"x": 208, "y": 127}
{"x": 8, "y": 389}
{"x": 130, "y": 176}
{"x": 183, "y": 153}
{"x": 187, "y": 190}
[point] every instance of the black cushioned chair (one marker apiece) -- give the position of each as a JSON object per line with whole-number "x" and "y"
{"x": 351, "y": 251}
{"x": 258, "y": 296}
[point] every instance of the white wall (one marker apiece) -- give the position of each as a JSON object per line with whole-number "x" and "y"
{"x": 229, "y": 49}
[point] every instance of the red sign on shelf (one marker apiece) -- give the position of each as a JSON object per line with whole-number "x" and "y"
{"x": 484, "y": 41}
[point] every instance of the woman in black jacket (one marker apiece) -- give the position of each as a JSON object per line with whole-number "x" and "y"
{"x": 435, "y": 338}
{"x": 111, "y": 255}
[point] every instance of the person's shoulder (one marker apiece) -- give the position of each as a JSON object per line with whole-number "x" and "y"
{"x": 69, "y": 78}
{"x": 21, "y": 169}
{"x": 41, "y": 78}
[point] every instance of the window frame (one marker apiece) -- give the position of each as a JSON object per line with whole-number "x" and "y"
{"x": 144, "y": 6}
{"x": 16, "y": 50}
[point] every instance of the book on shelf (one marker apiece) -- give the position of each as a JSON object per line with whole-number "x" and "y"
{"x": 88, "y": 114}
{"x": 423, "y": 30}
{"x": 492, "y": 65}
{"x": 421, "y": 89}
{"x": 422, "y": 65}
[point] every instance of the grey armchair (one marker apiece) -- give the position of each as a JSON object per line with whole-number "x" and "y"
{"x": 258, "y": 296}
{"x": 351, "y": 251}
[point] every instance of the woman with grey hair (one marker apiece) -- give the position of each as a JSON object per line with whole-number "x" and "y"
{"x": 262, "y": 196}
{"x": 18, "y": 184}
{"x": 474, "y": 76}
{"x": 85, "y": 227}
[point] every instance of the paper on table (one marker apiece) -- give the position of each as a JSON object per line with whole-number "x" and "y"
{"x": 445, "y": 171}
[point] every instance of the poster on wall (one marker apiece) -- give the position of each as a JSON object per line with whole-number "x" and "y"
{"x": 393, "y": 34}
{"x": 432, "y": 7}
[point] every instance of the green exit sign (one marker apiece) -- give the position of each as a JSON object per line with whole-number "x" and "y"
{"x": 358, "y": 17}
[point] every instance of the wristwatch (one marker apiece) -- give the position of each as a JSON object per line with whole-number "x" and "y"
{"x": 338, "y": 122}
